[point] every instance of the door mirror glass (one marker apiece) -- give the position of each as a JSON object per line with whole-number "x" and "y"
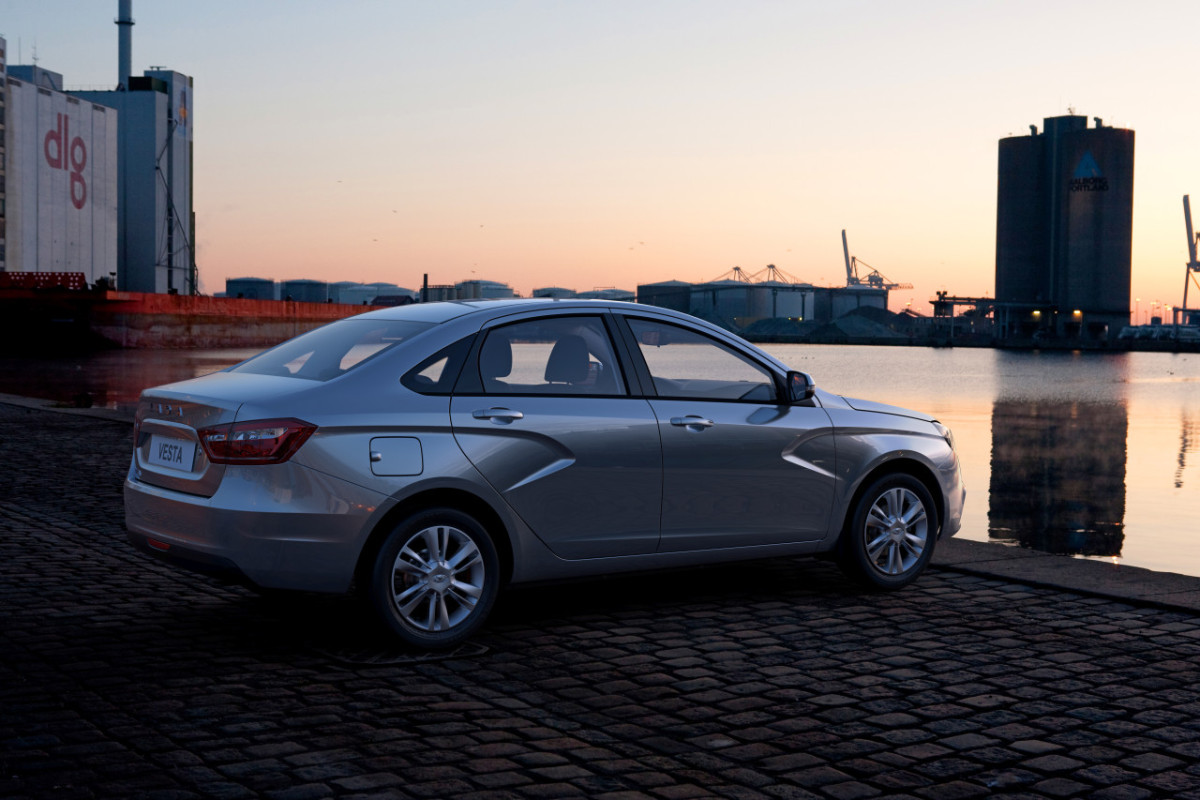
{"x": 800, "y": 386}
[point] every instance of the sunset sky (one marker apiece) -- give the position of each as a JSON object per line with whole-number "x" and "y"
{"x": 611, "y": 143}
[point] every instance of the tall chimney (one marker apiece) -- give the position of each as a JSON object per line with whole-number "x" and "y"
{"x": 125, "y": 42}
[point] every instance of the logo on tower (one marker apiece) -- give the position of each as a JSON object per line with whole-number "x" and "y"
{"x": 1087, "y": 177}
{"x": 71, "y": 157}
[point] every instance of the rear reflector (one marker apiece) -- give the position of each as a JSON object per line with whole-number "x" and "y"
{"x": 157, "y": 545}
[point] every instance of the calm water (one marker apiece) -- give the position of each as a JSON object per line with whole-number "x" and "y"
{"x": 1088, "y": 454}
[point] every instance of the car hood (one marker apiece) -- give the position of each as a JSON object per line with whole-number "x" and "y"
{"x": 883, "y": 408}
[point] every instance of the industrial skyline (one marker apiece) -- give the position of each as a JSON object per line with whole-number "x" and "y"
{"x": 612, "y": 144}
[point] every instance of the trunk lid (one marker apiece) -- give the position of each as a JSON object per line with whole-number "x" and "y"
{"x": 167, "y": 452}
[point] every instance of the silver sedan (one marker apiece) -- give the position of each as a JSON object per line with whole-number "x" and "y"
{"x": 429, "y": 455}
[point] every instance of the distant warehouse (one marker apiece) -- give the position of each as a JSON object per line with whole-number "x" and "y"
{"x": 98, "y": 182}
{"x": 737, "y": 305}
{"x": 58, "y": 177}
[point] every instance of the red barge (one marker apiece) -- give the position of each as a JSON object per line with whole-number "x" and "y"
{"x": 56, "y": 311}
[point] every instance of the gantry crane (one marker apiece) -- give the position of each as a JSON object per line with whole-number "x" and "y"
{"x": 875, "y": 279}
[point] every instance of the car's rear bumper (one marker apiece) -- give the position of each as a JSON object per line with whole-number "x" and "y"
{"x": 303, "y": 533}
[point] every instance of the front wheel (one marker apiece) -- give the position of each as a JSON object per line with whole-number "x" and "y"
{"x": 435, "y": 579}
{"x": 890, "y": 537}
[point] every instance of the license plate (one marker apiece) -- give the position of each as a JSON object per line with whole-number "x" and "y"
{"x": 173, "y": 453}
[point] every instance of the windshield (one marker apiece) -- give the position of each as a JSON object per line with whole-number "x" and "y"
{"x": 332, "y": 350}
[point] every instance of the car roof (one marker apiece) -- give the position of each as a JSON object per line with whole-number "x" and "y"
{"x": 446, "y": 310}
{"x": 443, "y": 311}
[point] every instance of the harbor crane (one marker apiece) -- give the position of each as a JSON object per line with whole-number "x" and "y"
{"x": 875, "y": 279}
{"x": 1193, "y": 266}
{"x": 770, "y": 273}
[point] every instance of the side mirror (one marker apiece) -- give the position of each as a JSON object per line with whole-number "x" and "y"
{"x": 800, "y": 386}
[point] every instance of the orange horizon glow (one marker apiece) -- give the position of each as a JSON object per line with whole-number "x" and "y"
{"x": 607, "y": 145}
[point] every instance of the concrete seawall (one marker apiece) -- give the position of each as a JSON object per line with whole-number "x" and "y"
{"x": 134, "y": 320}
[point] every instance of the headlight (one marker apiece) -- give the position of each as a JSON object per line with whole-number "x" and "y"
{"x": 945, "y": 432}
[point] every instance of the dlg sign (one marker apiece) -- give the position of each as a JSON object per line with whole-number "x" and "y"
{"x": 63, "y": 152}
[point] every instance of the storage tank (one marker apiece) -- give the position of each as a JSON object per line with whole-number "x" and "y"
{"x": 554, "y": 291}
{"x": 252, "y": 288}
{"x": 845, "y": 299}
{"x": 438, "y": 293}
{"x": 675, "y": 295}
{"x": 336, "y": 288}
{"x": 729, "y": 303}
{"x": 622, "y": 295}
{"x": 485, "y": 290}
{"x": 789, "y": 300}
{"x": 394, "y": 296}
{"x": 357, "y": 295}
{"x": 305, "y": 291}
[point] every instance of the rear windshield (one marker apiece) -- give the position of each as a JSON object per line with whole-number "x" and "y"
{"x": 333, "y": 349}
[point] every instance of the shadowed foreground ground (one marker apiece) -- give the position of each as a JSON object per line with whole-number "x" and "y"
{"x": 122, "y": 678}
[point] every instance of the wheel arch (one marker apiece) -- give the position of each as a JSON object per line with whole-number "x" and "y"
{"x": 459, "y": 499}
{"x": 897, "y": 466}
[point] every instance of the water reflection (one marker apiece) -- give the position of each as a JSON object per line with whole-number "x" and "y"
{"x": 1189, "y": 442}
{"x": 1081, "y": 453}
{"x": 1058, "y": 476}
{"x": 111, "y": 378}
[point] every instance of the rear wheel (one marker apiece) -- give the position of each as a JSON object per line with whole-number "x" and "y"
{"x": 890, "y": 537}
{"x": 435, "y": 579}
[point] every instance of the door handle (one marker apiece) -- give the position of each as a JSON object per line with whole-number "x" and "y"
{"x": 500, "y": 416}
{"x": 691, "y": 422}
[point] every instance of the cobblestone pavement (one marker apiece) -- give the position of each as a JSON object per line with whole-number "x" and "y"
{"x": 120, "y": 677}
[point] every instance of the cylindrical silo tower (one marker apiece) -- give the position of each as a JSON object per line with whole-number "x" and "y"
{"x": 1064, "y": 228}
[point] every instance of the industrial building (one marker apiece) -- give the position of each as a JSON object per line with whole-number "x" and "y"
{"x": 1064, "y": 230}
{"x": 99, "y": 182}
{"x": 58, "y": 177}
{"x": 738, "y": 304}
{"x": 554, "y": 291}
{"x": 486, "y": 290}
{"x": 621, "y": 295}
{"x": 303, "y": 290}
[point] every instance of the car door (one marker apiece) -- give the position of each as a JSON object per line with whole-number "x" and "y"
{"x": 741, "y": 468}
{"x": 544, "y": 413}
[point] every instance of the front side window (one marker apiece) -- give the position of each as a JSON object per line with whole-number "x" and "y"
{"x": 559, "y": 355}
{"x": 332, "y": 350}
{"x": 688, "y": 365}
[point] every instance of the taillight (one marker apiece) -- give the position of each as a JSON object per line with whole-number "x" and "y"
{"x": 263, "y": 441}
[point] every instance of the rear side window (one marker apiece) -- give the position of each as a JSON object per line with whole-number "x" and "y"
{"x": 437, "y": 374}
{"x": 332, "y": 350}
{"x": 557, "y": 355}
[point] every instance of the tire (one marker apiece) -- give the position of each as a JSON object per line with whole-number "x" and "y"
{"x": 890, "y": 537}
{"x": 435, "y": 579}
